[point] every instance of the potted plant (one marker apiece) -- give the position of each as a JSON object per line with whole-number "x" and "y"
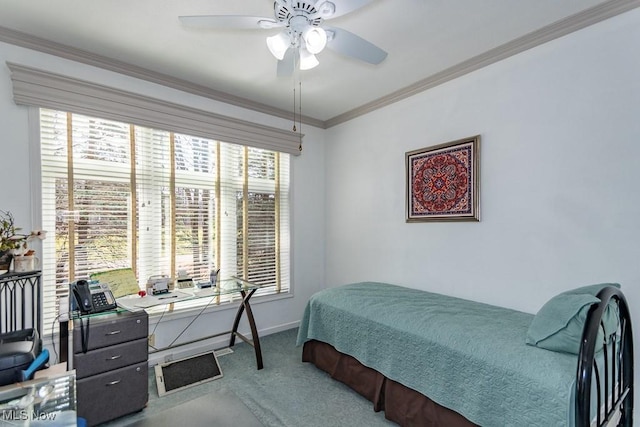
{"x": 14, "y": 245}
{"x": 9, "y": 239}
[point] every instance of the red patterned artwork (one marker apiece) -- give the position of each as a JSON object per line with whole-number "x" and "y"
{"x": 442, "y": 182}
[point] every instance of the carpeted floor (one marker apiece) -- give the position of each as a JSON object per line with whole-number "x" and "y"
{"x": 216, "y": 408}
{"x": 286, "y": 393}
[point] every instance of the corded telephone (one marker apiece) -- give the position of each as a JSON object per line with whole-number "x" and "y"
{"x": 90, "y": 297}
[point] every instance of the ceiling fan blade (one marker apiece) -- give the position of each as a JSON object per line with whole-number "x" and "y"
{"x": 342, "y": 7}
{"x": 349, "y": 44}
{"x": 229, "y": 22}
{"x": 287, "y": 65}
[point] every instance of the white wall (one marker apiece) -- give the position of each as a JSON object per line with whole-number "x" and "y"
{"x": 560, "y": 203}
{"x": 307, "y": 179}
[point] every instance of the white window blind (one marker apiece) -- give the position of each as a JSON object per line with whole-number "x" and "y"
{"x": 119, "y": 195}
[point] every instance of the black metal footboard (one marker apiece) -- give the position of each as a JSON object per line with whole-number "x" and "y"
{"x": 612, "y": 370}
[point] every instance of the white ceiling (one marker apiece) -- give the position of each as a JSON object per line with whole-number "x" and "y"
{"x": 428, "y": 42}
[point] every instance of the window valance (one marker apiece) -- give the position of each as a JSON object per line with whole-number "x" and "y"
{"x": 41, "y": 88}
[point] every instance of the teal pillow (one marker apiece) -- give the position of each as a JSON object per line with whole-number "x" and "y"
{"x": 559, "y": 324}
{"x": 611, "y": 314}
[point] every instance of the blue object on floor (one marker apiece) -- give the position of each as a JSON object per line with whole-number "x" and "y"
{"x": 82, "y": 422}
{"x": 38, "y": 363}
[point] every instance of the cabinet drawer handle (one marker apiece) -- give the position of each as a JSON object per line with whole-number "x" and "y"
{"x": 113, "y": 383}
{"x": 113, "y": 333}
{"x": 115, "y": 357}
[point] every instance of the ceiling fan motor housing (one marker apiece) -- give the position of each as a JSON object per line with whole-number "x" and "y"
{"x": 302, "y": 20}
{"x": 285, "y": 12}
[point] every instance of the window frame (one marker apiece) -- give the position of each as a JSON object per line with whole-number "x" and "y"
{"x": 36, "y": 195}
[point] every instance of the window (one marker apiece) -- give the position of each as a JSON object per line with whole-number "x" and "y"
{"x": 121, "y": 195}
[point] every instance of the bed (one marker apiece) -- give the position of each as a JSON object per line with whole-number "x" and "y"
{"x": 431, "y": 359}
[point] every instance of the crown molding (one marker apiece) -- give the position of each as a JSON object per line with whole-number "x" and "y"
{"x": 85, "y": 57}
{"x": 553, "y": 31}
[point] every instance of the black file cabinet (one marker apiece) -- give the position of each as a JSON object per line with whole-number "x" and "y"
{"x": 110, "y": 357}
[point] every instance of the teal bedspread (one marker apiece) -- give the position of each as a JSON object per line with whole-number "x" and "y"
{"x": 466, "y": 356}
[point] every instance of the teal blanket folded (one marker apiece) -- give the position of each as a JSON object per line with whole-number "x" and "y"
{"x": 466, "y": 356}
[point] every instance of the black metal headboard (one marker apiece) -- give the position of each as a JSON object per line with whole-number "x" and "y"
{"x": 614, "y": 386}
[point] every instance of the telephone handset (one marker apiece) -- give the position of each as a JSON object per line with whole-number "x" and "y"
{"x": 92, "y": 297}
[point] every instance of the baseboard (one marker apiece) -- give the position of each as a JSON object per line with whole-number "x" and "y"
{"x": 205, "y": 345}
{"x": 188, "y": 350}
{"x": 278, "y": 328}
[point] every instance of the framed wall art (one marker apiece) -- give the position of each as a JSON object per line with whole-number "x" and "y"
{"x": 443, "y": 182}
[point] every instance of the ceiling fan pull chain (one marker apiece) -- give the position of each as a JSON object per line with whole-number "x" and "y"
{"x": 294, "y": 107}
{"x": 300, "y": 115}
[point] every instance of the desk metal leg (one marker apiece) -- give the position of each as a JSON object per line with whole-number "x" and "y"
{"x": 245, "y": 306}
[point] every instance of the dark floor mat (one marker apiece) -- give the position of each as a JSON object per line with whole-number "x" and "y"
{"x": 187, "y": 372}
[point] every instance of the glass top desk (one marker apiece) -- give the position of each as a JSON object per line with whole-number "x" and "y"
{"x": 224, "y": 287}
{"x": 47, "y": 400}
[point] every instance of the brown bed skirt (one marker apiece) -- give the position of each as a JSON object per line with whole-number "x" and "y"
{"x": 400, "y": 404}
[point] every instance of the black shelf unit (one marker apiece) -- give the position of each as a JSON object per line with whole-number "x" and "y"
{"x": 21, "y": 301}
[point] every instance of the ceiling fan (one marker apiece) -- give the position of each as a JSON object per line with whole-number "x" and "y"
{"x": 303, "y": 34}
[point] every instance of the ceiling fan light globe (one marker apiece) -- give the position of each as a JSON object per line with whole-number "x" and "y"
{"x": 307, "y": 60}
{"x": 278, "y": 45}
{"x": 315, "y": 39}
